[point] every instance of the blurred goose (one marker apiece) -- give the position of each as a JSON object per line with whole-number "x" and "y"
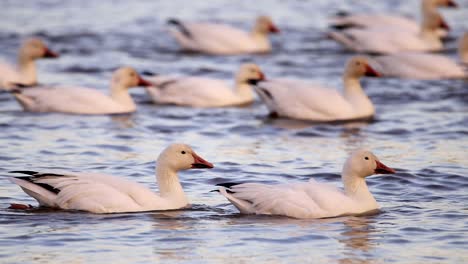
{"x": 80, "y": 100}
{"x": 101, "y": 193}
{"x": 307, "y": 101}
{"x": 206, "y": 92}
{"x": 391, "y": 40}
{"x": 24, "y": 74}
{"x": 385, "y": 21}
{"x": 311, "y": 199}
{"x": 423, "y": 65}
{"x": 223, "y": 39}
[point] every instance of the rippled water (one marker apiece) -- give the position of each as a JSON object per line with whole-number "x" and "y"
{"x": 421, "y": 130}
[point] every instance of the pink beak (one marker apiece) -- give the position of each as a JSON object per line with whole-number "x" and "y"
{"x": 444, "y": 25}
{"x": 200, "y": 163}
{"x": 49, "y": 54}
{"x": 451, "y": 3}
{"x": 382, "y": 168}
{"x": 262, "y": 76}
{"x": 273, "y": 29}
{"x": 371, "y": 72}
{"x": 143, "y": 82}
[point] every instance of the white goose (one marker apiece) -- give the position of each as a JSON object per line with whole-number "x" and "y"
{"x": 101, "y": 193}
{"x": 424, "y": 66}
{"x": 312, "y": 199}
{"x": 80, "y": 100}
{"x": 391, "y": 40}
{"x": 206, "y": 92}
{"x": 24, "y": 73}
{"x": 307, "y": 101}
{"x": 221, "y": 39}
{"x": 393, "y": 21}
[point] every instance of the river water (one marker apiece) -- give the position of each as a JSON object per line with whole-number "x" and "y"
{"x": 421, "y": 129}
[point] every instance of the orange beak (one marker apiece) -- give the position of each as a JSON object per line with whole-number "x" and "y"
{"x": 370, "y": 72}
{"x": 49, "y": 54}
{"x": 200, "y": 163}
{"x": 273, "y": 29}
{"x": 143, "y": 82}
{"x": 382, "y": 168}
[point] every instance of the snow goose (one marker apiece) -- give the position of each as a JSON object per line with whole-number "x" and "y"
{"x": 307, "y": 101}
{"x": 101, "y": 193}
{"x": 424, "y": 66}
{"x": 312, "y": 199}
{"x": 80, "y": 100}
{"x": 221, "y": 39}
{"x": 391, "y": 40}
{"x": 345, "y": 21}
{"x": 24, "y": 73}
{"x": 206, "y": 92}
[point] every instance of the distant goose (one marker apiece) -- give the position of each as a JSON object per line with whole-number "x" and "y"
{"x": 101, "y": 193}
{"x": 206, "y": 92}
{"x": 307, "y": 101}
{"x": 391, "y": 40}
{"x": 426, "y": 66}
{"x": 222, "y": 39}
{"x": 382, "y": 21}
{"x": 80, "y": 100}
{"x": 311, "y": 199}
{"x": 24, "y": 74}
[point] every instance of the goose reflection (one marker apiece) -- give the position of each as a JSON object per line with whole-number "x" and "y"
{"x": 357, "y": 239}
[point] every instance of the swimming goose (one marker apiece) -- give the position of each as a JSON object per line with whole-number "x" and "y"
{"x": 206, "y": 92}
{"x": 222, "y": 39}
{"x": 424, "y": 66}
{"x": 307, "y": 101}
{"x": 24, "y": 73}
{"x": 312, "y": 199}
{"x": 391, "y": 40}
{"x": 80, "y": 100}
{"x": 345, "y": 21}
{"x": 101, "y": 193}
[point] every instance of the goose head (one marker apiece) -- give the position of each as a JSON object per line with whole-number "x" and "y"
{"x": 363, "y": 163}
{"x": 127, "y": 77}
{"x": 463, "y": 48}
{"x": 178, "y": 157}
{"x": 33, "y": 49}
{"x": 358, "y": 67}
{"x": 265, "y": 25}
{"x": 432, "y": 20}
{"x": 249, "y": 73}
{"x": 429, "y": 5}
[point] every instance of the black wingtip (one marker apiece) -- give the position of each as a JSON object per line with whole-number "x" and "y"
{"x": 342, "y": 13}
{"x": 173, "y": 21}
{"x": 180, "y": 26}
{"x": 228, "y": 184}
{"x": 32, "y": 173}
{"x": 148, "y": 73}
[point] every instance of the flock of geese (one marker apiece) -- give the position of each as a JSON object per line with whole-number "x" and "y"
{"x": 403, "y": 46}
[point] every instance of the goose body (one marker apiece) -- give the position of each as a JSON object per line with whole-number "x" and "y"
{"x": 222, "y": 39}
{"x": 101, "y": 193}
{"x": 424, "y": 65}
{"x": 392, "y": 40}
{"x": 307, "y": 101}
{"x": 311, "y": 199}
{"x": 205, "y": 92}
{"x": 24, "y": 73}
{"x": 81, "y": 100}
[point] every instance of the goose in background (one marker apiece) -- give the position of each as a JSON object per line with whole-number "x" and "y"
{"x": 101, "y": 193}
{"x": 303, "y": 100}
{"x": 345, "y": 21}
{"x": 424, "y": 66}
{"x": 24, "y": 73}
{"x": 206, "y": 92}
{"x": 220, "y": 39}
{"x": 391, "y": 40}
{"x": 312, "y": 199}
{"x": 81, "y": 100}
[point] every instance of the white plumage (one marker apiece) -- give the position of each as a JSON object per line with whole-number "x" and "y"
{"x": 100, "y": 193}
{"x": 312, "y": 199}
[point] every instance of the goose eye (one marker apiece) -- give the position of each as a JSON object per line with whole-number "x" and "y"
{"x": 183, "y": 152}
{"x": 132, "y": 74}
{"x": 366, "y": 158}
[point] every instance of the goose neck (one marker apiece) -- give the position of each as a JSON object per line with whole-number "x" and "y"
{"x": 168, "y": 181}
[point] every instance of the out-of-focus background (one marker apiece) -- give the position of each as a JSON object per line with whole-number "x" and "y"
{"x": 421, "y": 129}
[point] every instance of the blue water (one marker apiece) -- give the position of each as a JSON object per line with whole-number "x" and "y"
{"x": 421, "y": 130}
